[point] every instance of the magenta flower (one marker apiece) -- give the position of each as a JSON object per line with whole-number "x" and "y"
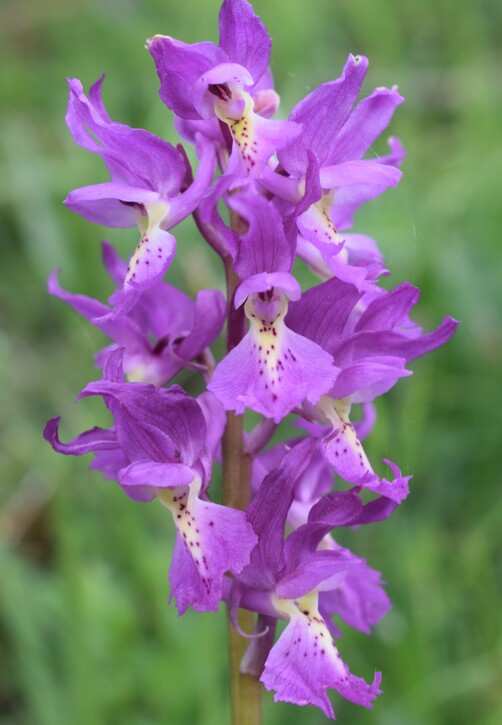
{"x": 147, "y": 177}
{"x": 162, "y": 446}
{"x": 229, "y": 82}
{"x": 287, "y": 579}
{"x": 284, "y": 192}
{"x": 164, "y": 332}
{"x": 272, "y": 369}
{"x": 323, "y": 173}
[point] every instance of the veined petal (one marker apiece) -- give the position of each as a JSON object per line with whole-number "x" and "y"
{"x": 111, "y": 204}
{"x": 272, "y": 369}
{"x": 357, "y": 181}
{"x": 360, "y": 599}
{"x": 244, "y": 37}
{"x": 86, "y": 306}
{"x": 322, "y": 114}
{"x": 215, "y": 538}
{"x": 184, "y": 204}
{"x": 365, "y": 124}
{"x": 389, "y": 309}
{"x": 267, "y": 515}
{"x": 323, "y": 311}
{"x": 133, "y": 156}
{"x": 123, "y": 330}
{"x": 81, "y": 109}
{"x": 96, "y": 439}
{"x": 305, "y": 663}
{"x": 367, "y": 378}
{"x": 264, "y": 247}
{"x": 411, "y": 348}
{"x": 158, "y": 424}
{"x": 178, "y": 66}
{"x": 142, "y": 480}
{"x": 315, "y": 569}
{"x": 109, "y": 463}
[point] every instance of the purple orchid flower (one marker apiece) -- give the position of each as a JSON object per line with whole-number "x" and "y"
{"x": 229, "y": 82}
{"x": 147, "y": 176}
{"x": 371, "y": 349}
{"x": 164, "y": 332}
{"x": 359, "y": 599}
{"x": 286, "y": 579}
{"x": 272, "y": 369}
{"x": 161, "y": 446}
{"x": 326, "y": 177}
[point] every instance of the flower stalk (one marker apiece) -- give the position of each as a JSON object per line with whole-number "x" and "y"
{"x": 245, "y": 690}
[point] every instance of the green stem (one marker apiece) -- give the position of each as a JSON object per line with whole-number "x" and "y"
{"x": 245, "y": 690}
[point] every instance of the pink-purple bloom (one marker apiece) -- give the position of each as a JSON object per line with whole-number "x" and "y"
{"x": 265, "y": 194}
{"x": 229, "y": 83}
{"x": 147, "y": 176}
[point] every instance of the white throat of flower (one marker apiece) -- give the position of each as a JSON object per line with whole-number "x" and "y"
{"x": 241, "y": 122}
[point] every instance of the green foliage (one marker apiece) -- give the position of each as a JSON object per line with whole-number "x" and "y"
{"x": 86, "y": 636}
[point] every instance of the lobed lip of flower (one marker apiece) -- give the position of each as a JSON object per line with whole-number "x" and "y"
{"x": 272, "y": 369}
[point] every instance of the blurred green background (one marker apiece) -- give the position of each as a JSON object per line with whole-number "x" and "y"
{"x": 86, "y": 636}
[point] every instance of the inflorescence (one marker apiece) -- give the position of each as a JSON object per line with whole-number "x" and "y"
{"x": 290, "y": 189}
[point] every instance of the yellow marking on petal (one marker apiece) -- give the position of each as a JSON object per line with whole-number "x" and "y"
{"x": 267, "y": 327}
{"x": 147, "y": 224}
{"x": 324, "y": 227}
{"x": 243, "y": 129}
{"x": 183, "y": 502}
{"x": 337, "y": 412}
{"x": 136, "y": 375}
{"x": 306, "y": 610}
